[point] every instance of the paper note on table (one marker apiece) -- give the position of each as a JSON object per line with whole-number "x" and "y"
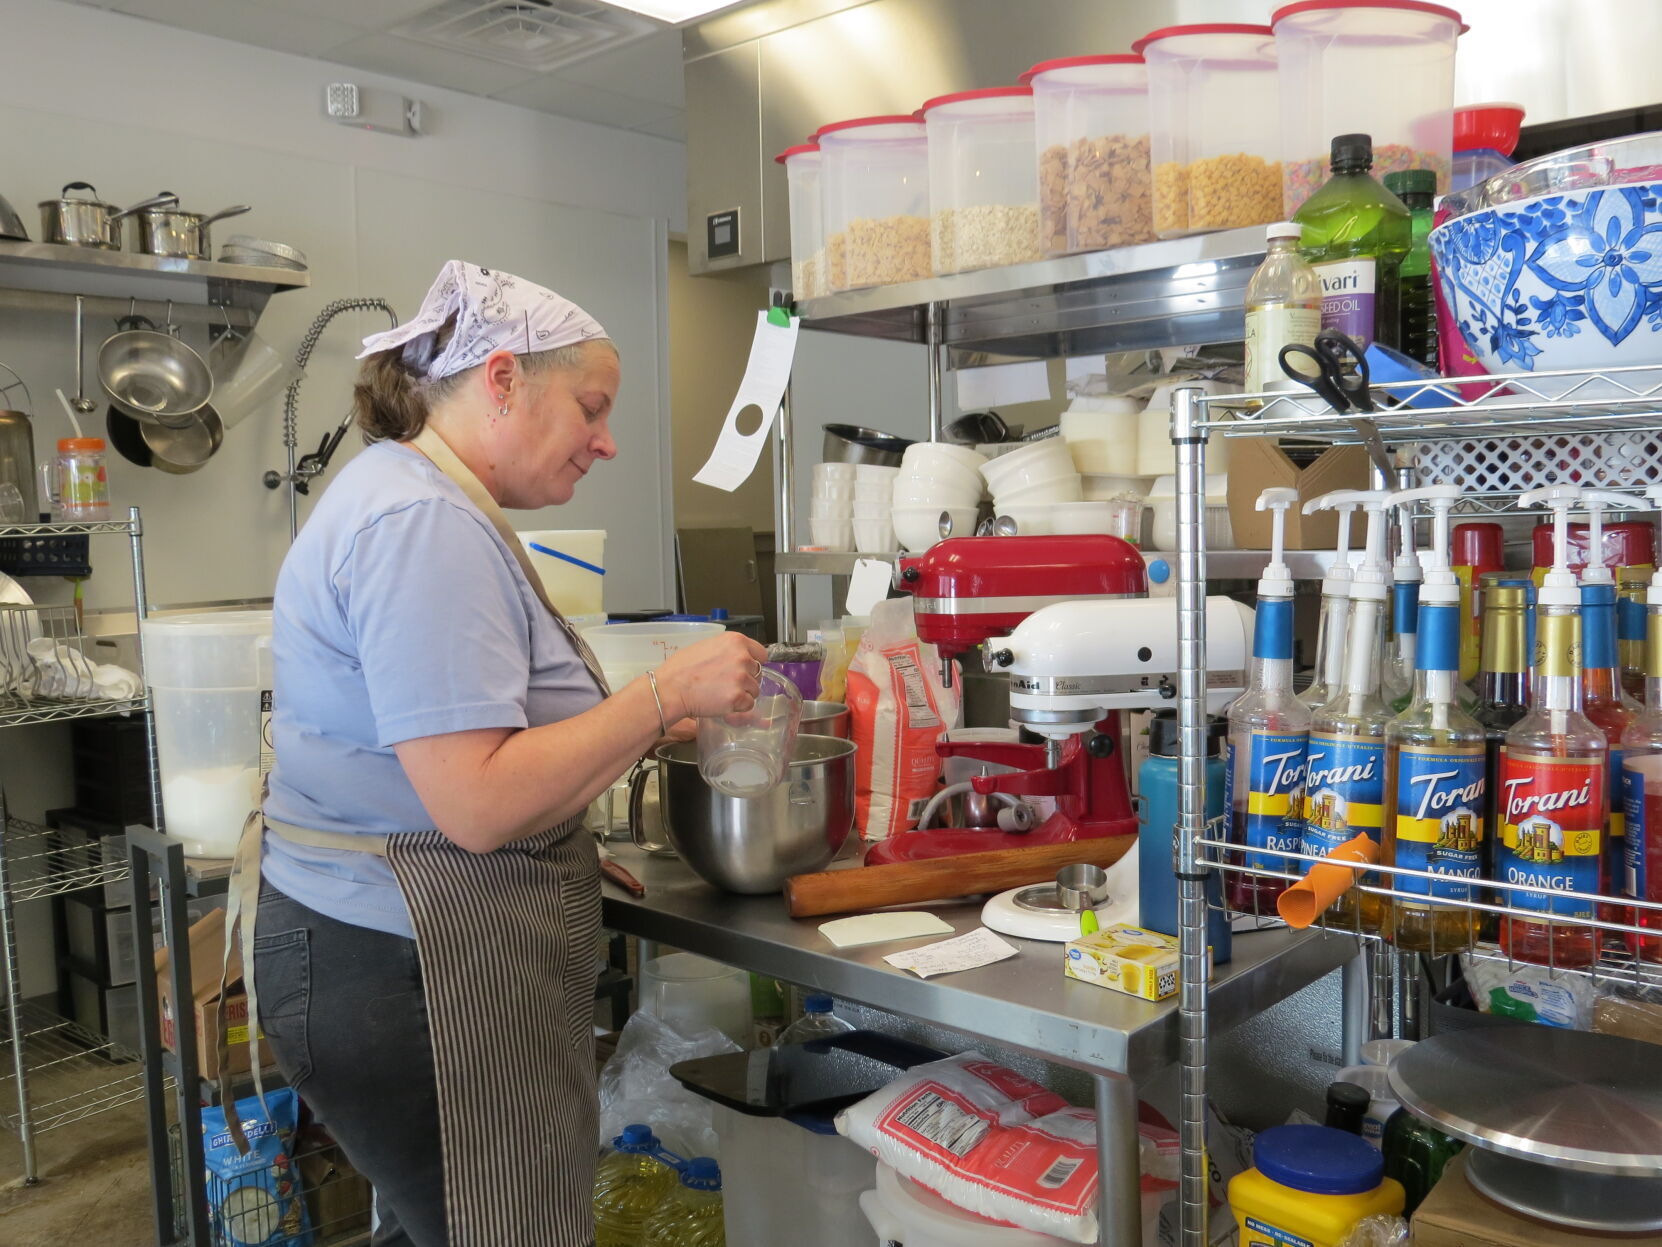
{"x": 882, "y": 928}
{"x": 998, "y": 385}
{"x": 734, "y": 456}
{"x": 979, "y": 948}
{"x": 868, "y": 586}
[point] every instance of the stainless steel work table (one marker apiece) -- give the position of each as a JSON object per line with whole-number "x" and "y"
{"x": 1023, "y": 1002}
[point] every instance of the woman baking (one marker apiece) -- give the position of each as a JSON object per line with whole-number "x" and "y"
{"x": 425, "y": 949}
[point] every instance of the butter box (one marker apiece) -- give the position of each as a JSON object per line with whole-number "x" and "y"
{"x": 1126, "y": 959}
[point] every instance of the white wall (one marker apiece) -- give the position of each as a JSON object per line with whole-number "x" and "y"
{"x": 133, "y": 106}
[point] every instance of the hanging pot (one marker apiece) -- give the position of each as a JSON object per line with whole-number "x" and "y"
{"x": 187, "y": 448}
{"x": 153, "y": 376}
{"x": 89, "y": 222}
{"x": 167, "y": 231}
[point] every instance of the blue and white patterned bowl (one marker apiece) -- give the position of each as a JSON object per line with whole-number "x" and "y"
{"x": 1560, "y": 281}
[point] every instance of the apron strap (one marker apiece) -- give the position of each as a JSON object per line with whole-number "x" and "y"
{"x": 429, "y": 443}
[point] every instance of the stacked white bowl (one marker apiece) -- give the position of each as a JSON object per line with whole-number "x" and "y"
{"x": 1031, "y": 485}
{"x": 936, "y": 477}
{"x": 831, "y": 506}
{"x": 873, "y": 504}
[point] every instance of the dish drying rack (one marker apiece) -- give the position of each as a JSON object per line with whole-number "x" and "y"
{"x": 1496, "y": 436}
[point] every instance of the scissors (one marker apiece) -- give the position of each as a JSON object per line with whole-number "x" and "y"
{"x": 1341, "y": 380}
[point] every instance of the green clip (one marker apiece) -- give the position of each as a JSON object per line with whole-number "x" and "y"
{"x": 779, "y": 316}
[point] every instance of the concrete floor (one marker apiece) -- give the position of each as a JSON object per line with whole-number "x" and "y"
{"x": 94, "y": 1188}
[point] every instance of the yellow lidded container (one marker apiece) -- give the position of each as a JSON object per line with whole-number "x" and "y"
{"x": 1308, "y": 1186}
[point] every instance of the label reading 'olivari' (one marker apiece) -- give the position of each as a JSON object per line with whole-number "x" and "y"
{"x": 1275, "y": 797}
{"x": 1552, "y": 815}
{"x": 1439, "y": 820}
{"x": 1344, "y": 790}
{"x": 1349, "y": 292}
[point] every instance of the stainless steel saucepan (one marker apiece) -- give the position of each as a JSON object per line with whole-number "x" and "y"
{"x": 752, "y": 845}
{"x": 153, "y": 376}
{"x": 89, "y": 222}
{"x": 167, "y": 230}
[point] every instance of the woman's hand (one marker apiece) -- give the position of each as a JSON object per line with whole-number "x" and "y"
{"x": 713, "y": 677}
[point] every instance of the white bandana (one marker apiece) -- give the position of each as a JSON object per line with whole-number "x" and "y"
{"x": 493, "y": 311}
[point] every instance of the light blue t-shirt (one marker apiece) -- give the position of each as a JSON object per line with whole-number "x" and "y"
{"x": 399, "y": 613}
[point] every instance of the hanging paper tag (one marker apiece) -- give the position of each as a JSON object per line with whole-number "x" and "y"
{"x": 734, "y": 456}
{"x": 868, "y": 586}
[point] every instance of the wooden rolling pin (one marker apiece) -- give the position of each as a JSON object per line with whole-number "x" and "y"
{"x": 907, "y": 883}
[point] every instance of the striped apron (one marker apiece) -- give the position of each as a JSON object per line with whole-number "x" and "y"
{"x": 506, "y": 942}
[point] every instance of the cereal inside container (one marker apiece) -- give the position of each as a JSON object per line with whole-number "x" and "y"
{"x": 1379, "y": 67}
{"x": 1214, "y": 131}
{"x": 983, "y": 179}
{"x": 875, "y": 191}
{"x": 1095, "y": 183}
{"x": 802, "y": 176}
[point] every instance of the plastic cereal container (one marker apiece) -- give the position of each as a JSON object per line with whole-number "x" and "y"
{"x": 1214, "y": 127}
{"x": 1091, "y": 115}
{"x": 875, "y": 191}
{"x": 1379, "y": 67}
{"x": 802, "y": 177}
{"x": 983, "y": 179}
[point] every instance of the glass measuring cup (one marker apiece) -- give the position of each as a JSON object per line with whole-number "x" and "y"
{"x": 746, "y": 753}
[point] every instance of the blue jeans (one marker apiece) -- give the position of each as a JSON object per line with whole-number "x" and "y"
{"x": 344, "y": 1014}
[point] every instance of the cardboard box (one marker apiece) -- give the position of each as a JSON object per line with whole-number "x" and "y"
{"x": 207, "y": 948}
{"x": 1259, "y": 463}
{"x": 338, "y": 1197}
{"x": 1455, "y": 1215}
{"x": 1126, "y": 959}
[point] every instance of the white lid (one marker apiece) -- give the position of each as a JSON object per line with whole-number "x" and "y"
{"x": 1284, "y": 229}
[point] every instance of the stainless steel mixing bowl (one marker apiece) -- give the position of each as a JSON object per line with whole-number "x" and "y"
{"x": 825, "y": 718}
{"x": 753, "y": 844}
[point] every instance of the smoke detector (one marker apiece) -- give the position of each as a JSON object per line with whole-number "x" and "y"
{"x": 536, "y": 35}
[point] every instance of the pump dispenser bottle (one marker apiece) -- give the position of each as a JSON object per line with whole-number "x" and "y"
{"x": 1398, "y": 678}
{"x": 1335, "y": 607}
{"x": 1269, "y": 729}
{"x": 1502, "y": 699}
{"x": 1641, "y": 876}
{"x": 1344, "y": 780}
{"x": 1602, "y": 698}
{"x": 1552, "y": 790}
{"x": 1434, "y": 765}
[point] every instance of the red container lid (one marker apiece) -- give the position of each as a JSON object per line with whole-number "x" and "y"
{"x": 982, "y": 93}
{"x": 1488, "y": 127}
{"x": 66, "y": 444}
{"x": 890, "y": 119}
{"x": 798, "y": 150}
{"x": 1077, "y": 62}
{"x": 1632, "y": 544}
{"x": 1412, "y": 6}
{"x": 1205, "y": 28}
{"x": 1478, "y": 545}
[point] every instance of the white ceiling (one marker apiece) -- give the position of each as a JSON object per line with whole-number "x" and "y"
{"x": 634, "y": 87}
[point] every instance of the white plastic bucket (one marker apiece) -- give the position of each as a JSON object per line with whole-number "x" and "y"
{"x": 571, "y": 564}
{"x": 778, "y": 1177}
{"x": 901, "y": 1211}
{"x": 696, "y": 993}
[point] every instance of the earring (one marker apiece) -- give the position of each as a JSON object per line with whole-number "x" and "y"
{"x": 503, "y": 410}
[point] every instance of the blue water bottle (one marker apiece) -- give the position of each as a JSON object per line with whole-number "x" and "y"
{"x": 1157, "y": 782}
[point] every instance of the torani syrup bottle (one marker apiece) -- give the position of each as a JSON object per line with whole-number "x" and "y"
{"x": 1502, "y": 699}
{"x": 1553, "y": 785}
{"x": 1344, "y": 779}
{"x": 1269, "y": 729}
{"x": 1434, "y": 767}
{"x": 1642, "y": 791}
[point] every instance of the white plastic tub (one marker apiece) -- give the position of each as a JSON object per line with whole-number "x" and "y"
{"x": 696, "y": 993}
{"x": 211, "y": 674}
{"x": 983, "y": 179}
{"x": 778, "y": 1178}
{"x": 627, "y": 650}
{"x": 1384, "y": 68}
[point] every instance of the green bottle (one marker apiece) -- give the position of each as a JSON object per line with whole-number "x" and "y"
{"x": 1355, "y": 235}
{"x": 1415, "y": 1155}
{"x": 1417, "y": 308}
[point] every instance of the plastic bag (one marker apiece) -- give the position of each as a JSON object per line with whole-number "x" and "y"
{"x": 1379, "y": 1230}
{"x": 899, "y": 709}
{"x": 1530, "y": 993}
{"x": 997, "y": 1144}
{"x": 256, "y": 1200}
{"x": 636, "y": 1085}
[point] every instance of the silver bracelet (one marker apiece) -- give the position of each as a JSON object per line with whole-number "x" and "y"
{"x": 662, "y": 725}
